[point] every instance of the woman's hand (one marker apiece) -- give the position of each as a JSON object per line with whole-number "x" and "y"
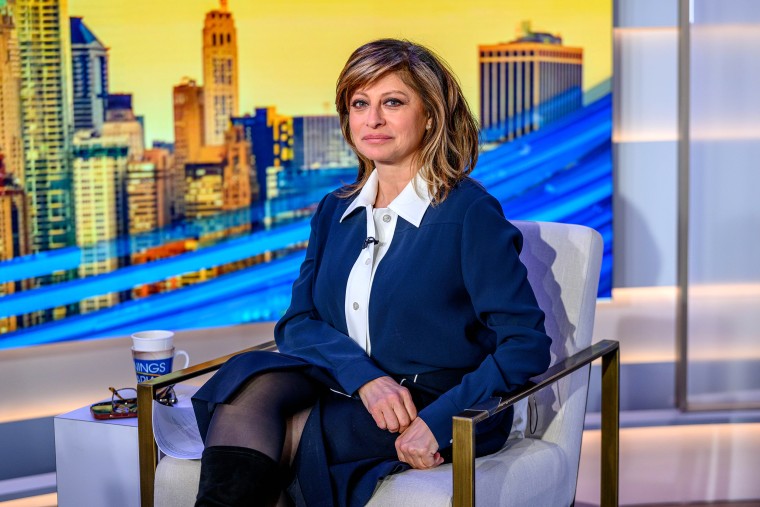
{"x": 418, "y": 447}
{"x": 389, "y": 403}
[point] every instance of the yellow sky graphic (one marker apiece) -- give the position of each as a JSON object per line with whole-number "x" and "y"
{"x": 291, "y": 51}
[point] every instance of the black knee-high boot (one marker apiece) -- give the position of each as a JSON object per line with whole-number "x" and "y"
{"x": 237, "y": 476}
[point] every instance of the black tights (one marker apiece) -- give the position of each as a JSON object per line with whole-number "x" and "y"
{"x": 256, "y": 417}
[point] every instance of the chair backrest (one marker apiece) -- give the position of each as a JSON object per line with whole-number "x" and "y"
{"x": 563, "y": 263}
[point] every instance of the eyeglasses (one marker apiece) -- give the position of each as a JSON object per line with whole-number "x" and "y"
{"x": 124, "y": 400}
{"x": 166, "y": 396}
{"x": 123, "y": 404}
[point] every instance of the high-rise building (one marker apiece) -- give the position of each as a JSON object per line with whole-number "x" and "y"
{"x": 14, "y": 215}
{"x": 238, "y": 171}
{"x": 45, "y": 56}
{"x": 188, "y": 120}
{"x": 163, "y": 164}
{"x": 100, "y": 165}
{"x": 122, "y": 125}
{"x": 318, "y": 143}
{"x": 10, "y": 87}
{"x": 89, "y": 76}
{"x": 188, "y": 137}
{"x": 143, "y": 182}
{"x": 220, "y": 179}
{"x": 271, "y": 138}
{"x": 220, "y": 73}
{"x": 14, "y": 234}
{"x": 527, "y": 83}
{"x": 204, "y": 195}
{"x": 121, "y": 121}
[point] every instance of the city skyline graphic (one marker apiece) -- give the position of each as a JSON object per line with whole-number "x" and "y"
{"x": 292, "y": 51}
{"x": 108, "y": 226}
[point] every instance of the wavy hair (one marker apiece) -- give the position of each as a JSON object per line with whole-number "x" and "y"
{"x": 449, "y": 148}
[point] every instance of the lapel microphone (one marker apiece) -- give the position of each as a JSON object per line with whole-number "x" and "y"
{"x": 370, "y": 241}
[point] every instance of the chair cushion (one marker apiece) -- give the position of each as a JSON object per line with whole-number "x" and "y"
{"x": 176, "y": 482}
{"x": 499, "y": 480}
{"x": 511, "y": 477}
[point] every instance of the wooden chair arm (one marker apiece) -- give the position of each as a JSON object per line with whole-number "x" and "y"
{"x": 146, "y": 393}
{"x": 463, "y": 445}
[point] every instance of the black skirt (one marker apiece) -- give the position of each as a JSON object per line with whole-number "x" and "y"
{"x": 342, "y": 453}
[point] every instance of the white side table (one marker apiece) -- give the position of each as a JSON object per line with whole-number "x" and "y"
{"x": 96, "y": 461}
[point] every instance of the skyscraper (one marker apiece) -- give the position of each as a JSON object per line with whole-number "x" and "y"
{"x": 188, "y": 137}
{"x": 14, "y": 234}
{"x": 220, "y": 73}
{"x": 10, "y": 87}
{"x": 89, "y": 63}
{"x": 122, "y": 124}
{"x": 99, "y": 171}
{"x": 318, "y": 142}
{"x": 220, "y": 180}
{"x": 45, "y": 55}
{"x": 143, "y": 182}
{"x": 238, "y": 170}
{"x": 270, "y": 135}
{"x": 204, "y": 194}
{"x": 163, "y": 164}
{"x": 188, "y": 120}
{"x": 527, "y": 83}
{"x": 121, "y": 120}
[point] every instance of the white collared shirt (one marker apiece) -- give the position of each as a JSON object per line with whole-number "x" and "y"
{"x": 381, "y": 225}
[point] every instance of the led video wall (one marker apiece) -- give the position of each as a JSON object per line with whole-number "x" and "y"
{"x": 161, "y": 160}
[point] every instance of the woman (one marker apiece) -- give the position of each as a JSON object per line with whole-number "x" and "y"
{"x": 411, "y": 306}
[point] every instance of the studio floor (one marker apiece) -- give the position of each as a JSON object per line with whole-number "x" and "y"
{"x": 51, "y": 501}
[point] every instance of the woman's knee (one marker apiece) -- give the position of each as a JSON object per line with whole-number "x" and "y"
{"x": 283, "y": 391}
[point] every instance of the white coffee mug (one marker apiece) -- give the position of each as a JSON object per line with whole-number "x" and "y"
{"x": 153, "y": 354}
{"x": 151, "y": 341}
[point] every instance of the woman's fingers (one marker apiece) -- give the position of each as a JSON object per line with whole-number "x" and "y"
{"x": 420, "y": 458}
{"x": 391, "y": 418}
{"x": 418, "y": 447}
{"x": 390, "y": 404}
{"x": 379, "y": 418}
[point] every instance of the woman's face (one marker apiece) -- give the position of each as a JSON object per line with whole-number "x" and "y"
{"x": 387, "y": 122}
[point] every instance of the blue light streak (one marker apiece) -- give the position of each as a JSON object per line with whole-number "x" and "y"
{"x": 562, "y": 172}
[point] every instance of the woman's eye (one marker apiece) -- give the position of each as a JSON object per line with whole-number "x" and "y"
{"x": 393, "y": 102}
{"x": 358, "y": 104}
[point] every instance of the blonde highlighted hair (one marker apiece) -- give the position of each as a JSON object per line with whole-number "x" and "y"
{"x": 449, "y": 148}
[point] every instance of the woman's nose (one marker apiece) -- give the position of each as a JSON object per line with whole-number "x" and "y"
{"x": 375, "y": 117}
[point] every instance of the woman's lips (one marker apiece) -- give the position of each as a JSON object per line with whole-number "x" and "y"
{"x": 376, "y": 139}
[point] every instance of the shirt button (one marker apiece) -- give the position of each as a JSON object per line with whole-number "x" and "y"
{"x": 367, "y": 261}
{"x": 356, "y": 305}
{"x": 386, "y": 218}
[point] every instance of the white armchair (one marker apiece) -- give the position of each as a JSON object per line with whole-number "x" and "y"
{"x": 536, "y": 469}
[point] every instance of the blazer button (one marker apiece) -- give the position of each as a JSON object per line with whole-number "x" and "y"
{"x": 356, "y": 305}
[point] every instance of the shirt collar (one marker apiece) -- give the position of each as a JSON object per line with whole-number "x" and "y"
{"x": 410, "y": 204}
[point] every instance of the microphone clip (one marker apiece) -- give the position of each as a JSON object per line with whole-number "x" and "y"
{"x": 369, "y": 241}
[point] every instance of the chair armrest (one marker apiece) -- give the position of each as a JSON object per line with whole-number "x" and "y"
{"x": 463, "y": 444}
{"x": 146, "y": 393}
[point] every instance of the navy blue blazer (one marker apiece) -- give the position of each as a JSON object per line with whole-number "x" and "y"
{"x": 451, "y": 294}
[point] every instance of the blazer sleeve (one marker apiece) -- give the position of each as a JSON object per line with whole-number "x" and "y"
{"x": 503, "y": 300}
{"x": 301, "y": 332}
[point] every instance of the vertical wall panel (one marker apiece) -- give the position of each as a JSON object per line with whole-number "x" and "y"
{"x": 724, "y": 205}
